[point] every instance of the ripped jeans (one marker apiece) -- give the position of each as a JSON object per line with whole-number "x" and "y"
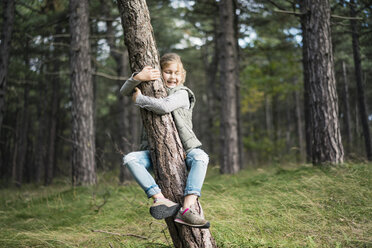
{"x": 140, "y": 165}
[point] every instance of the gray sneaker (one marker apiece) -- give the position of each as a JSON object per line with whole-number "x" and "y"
{"x": 191, "y": 218}
{"x": 164, "y": 208}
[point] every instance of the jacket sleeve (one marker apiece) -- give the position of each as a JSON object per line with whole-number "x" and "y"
{"x": 129, "y": 85}
{"x": 179, "y": 99}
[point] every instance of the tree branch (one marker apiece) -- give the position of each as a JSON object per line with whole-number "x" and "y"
{"x": 289, "y": 12}
{"x": 346, "y": 17}
{"x": 120, "y": 234}
{"x": 102, "y": 74}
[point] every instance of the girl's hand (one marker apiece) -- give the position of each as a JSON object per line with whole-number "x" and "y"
{"x": 136, "y": 93}
{"x": 147, "y": 74}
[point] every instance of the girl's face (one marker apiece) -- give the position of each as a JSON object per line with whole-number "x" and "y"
{"x": 172, "y": 75}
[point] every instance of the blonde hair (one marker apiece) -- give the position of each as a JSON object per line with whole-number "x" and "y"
{"x": 169, "y": 58}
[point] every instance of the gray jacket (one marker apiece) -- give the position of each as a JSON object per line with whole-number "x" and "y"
{"x": 179, "y": 102}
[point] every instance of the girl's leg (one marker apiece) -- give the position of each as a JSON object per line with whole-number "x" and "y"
{"x": 197, "y": 162}
{"x": 139, "y": 164}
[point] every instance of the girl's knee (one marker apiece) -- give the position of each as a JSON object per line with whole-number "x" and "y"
{"x": 200, "y": 155}
{"x": 130, "y": 157}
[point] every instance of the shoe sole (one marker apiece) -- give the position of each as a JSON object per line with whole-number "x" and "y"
{"x": 163, "y": 211}
{"x": 206, "y": 225}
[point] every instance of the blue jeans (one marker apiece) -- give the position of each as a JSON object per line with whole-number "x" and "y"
{"x": 140, "y": 165}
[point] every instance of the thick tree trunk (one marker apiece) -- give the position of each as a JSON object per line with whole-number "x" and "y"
{"x": 230, "y": 160}
{"x": 165, "y": 146}
{"x": 327, "y": 146}
{"x": 83, "y": 147}
{"x": 360, "y": 87}
{"x": 347, "y": 118}
{"x": 6, "y": 34}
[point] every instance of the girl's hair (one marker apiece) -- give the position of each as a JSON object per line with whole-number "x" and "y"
{"x": 169, "y": 58}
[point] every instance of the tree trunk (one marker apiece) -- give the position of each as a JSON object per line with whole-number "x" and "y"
{"x": 22, "y": 140}
{"x": 327, "y": 146}
{"x": 347, "y": 118}
{"x": 360, "y": 87}
{"x": 127, "y": 117}
{"x": 83, "y": 147}
{"x": 22, "y": 129}
{"x": 40, "y": 144}
{"x": 125, "y": 109}
{"x": 306, "y": 70}
{"x": 229, "y": 77}
{"x": 50, "y": 162}
{"x": 6, "y": 34}
{"x": 165, "y": 146}
{"x": 211, "y": 69}
{"x": 299, "y": 126}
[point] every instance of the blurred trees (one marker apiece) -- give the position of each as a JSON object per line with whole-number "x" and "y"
{"x": 36, "y": 130}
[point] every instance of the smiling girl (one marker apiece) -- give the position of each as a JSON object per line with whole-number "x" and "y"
{"x": 180, "y": 103}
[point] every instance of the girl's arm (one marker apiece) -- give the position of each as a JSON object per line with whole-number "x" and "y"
{"x": 146, "y": 74}
{"x": 165, "y": 105}
{"x": 129, "y": 86}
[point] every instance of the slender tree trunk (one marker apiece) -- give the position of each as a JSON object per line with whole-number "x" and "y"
{"x": 165, "y": 146}
{"x": 327, "y": 146}
{"x": 229, "y": 78}
{"x": 125, "y": 109}
{"x": 83, "y": 147}
{"x": 23, "y": 129}
{"x": 347, "y": 118}
{"x": 360, "y": 87}
{"x": 40, "y": 146}
{"x": 268, "y": 114}
{"x": 238, "y": 107}
{"x": 50, "y": 162}
{"x": 211, "y": 69}
{"x": 128, "y": 129}
{"x": 299, "y": 125}
{"x": 306, "y": 70}
{"x": 6, "y": 34}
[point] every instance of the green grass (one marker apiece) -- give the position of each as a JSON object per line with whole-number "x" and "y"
{"x": 286, "y": 206}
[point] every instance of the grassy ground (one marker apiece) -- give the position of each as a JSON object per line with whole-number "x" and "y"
{"x": 291, "y": 206}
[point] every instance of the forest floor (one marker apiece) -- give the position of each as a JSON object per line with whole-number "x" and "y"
{"x": 281, "y": 206}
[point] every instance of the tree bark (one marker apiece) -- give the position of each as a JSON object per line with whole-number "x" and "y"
{"x": 230, "y": 160}
{"x": 360, "y": 87}
{"x": 165, "y": 146}
{"x": 83, "y": 147}
{"x": 6, "y": 35}
{"x": 327, "y": 146}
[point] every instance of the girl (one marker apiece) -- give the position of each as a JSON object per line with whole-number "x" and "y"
{"x": 180, "y": 102}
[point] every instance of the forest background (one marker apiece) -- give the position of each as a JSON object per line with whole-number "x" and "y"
{"x": 63, "y": 122}
{"x": 36, "y": 129}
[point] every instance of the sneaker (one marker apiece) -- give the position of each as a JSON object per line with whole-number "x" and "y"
{"x": 191, "y": 218}
{"x": 163, "y": 208}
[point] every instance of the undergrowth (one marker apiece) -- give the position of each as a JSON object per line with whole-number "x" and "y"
{"x": 282, "y": 206}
